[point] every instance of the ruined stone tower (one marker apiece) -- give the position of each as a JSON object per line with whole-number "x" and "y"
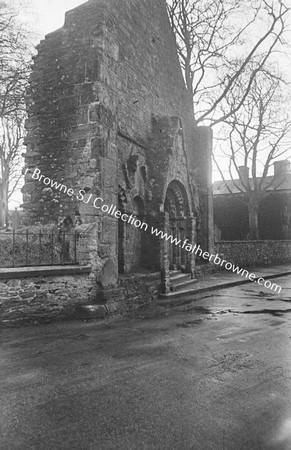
{"x": 109, "y": 115}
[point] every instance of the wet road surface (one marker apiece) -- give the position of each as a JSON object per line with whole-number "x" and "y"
{"x": 213, "y": 374}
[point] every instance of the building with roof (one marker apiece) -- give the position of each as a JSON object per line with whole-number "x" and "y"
{"x": 231, "y": 213}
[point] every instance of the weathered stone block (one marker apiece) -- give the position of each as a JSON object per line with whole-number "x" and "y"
{"x": 109, "y": 274}
{"x": 98, "y": 147}
{"x": 100, "y": 114}
{"x": 91, "y": 312}
{"x": 109, "y": 228}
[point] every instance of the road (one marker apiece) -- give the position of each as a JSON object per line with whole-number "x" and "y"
{"x": 213, "y": 374}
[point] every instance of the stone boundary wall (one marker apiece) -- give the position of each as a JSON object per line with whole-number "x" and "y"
{"x": 133, "y": 291}
{"x": 32, "y": 295}
{"x": 254, "y": 253}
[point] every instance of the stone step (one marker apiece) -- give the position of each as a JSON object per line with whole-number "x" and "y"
{"x": 183, "y": 290}
{"x": 175, "y": 272}
{"x": 179, "y": 277}
{"x": 183, "y": 284}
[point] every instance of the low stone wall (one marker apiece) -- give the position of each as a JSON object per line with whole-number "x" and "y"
{"x": 39, "y": 295}
{"x": 42, "y": 295}
{"x": 133, "y": 291}
{"x": 254, "y": 253}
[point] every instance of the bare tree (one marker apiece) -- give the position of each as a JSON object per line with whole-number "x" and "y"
{"x": 257, "y": 134}
{"x": 215, "y": 49}
{"x": 15, "y": 57}
{"x": 11, "y": 140}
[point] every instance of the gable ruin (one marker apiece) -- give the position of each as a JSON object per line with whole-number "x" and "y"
{"x": 109, "y": 115}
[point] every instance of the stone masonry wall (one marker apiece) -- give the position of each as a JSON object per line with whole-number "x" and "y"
{"x": 254, "y": 253}
{"x": 99, "y": 85}
{"x": 132, "y": 292}
{"x": 44, "y": 298}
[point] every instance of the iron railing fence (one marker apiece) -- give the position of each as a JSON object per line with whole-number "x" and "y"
{"x": 25, "y": 248}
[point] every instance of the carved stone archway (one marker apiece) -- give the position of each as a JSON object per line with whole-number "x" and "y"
{"x": 177, "y": 207}
{"x": 178, "y": 222}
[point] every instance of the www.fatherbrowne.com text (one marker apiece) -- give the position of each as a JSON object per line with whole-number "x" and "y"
{"x": 99, "y": 204}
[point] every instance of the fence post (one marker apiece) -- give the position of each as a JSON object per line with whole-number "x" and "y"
{"x": 13, "y": 248}
{"x": 26, "y": 254}
{"x": 52, "y": 255}
{"x": 75, "y": 249}
{"x": 39, "y": 248}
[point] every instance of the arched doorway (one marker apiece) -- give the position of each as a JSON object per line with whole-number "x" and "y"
{"x": 177, "y": 206}
{"x": 130, "y": 237}
{"x": 135, "y": 235}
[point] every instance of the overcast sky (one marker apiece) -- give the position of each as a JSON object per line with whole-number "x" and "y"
{"x": 47, "y": 15}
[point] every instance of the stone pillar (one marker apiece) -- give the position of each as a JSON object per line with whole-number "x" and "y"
{"x": 181, "y": 235}
{"x": 191, "y": 236}
{"x": 121, "y": 245}
{"x": 203, "y": 158}
{"x": 175, "y": 249}
{"x": 164, "y": 254}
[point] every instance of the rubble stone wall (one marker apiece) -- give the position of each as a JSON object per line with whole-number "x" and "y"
{"x": 43, "y": 298}
{"x": 254, "y": 253}
{"x": 133, "y": 291}
{"x": 32, "y": 299}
